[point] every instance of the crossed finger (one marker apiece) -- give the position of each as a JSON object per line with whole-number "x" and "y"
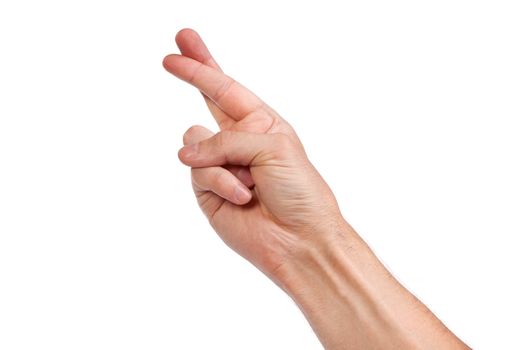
{"x": 191, "y": 45}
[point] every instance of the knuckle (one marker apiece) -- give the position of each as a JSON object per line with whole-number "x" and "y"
{"x": 189, "y": 134}
{"x": 217, "y": 178}
{"x": 284, "y": 146}
{"x": 224, "y": 137}
{"x": 223, "y": 90}
{"x": 195, "y": 175}
{"x": 195, "y": 74}
{"x": 284, "y": 142}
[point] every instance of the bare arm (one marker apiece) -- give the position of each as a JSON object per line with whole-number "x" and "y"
{"x": 265, "y": 199}
{"x": 353, "y": 302}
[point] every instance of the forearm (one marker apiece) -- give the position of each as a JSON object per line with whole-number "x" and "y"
{"x": 353, "y": 302}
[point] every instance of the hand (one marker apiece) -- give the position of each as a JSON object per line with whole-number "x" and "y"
{"x": 289, "y": 204}
{"x": 289, "y": 224}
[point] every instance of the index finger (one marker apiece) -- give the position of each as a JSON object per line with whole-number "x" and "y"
{"x": 233, "y": 98}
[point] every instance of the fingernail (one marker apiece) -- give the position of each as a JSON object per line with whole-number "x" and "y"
{"x": 190, "y": 151}
{"x": 242, "y": 194}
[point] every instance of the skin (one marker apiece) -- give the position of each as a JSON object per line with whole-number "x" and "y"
{"x": 264, "y": 198}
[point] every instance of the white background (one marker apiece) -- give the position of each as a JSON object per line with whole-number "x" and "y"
{"x": 412, "y": 110}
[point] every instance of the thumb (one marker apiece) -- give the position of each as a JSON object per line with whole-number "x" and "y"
{"x": 235, "y": 147}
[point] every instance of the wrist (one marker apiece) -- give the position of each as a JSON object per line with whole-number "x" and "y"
{"x": 317, "y": 255}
